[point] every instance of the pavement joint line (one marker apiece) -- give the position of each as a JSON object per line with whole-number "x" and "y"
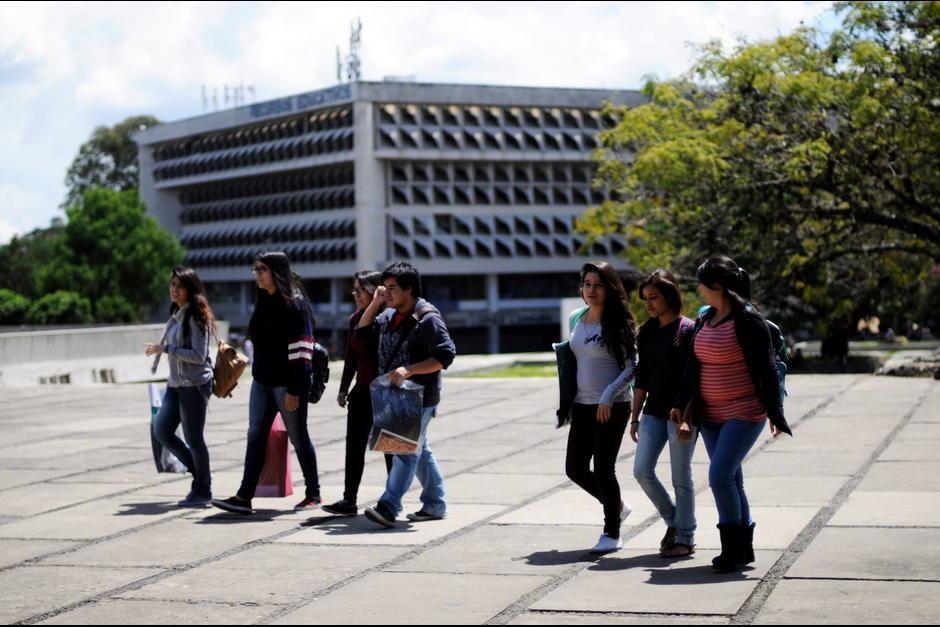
{"x": 882, "y": 526}
{"x": 615, "y": 613}
{"x": 752, "y": 607}
{"x": 522, "y": 604}
{"x": 183, "y": 515}
{"x": 247, "y": 604}
{"x": 864, "y": 579}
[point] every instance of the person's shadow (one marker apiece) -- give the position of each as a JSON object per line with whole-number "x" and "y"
{"x": 663, "y": 572}
{"x": 559, "y": 558}
{"x": 147, "y": 509}
{"x": 355, "y": 526}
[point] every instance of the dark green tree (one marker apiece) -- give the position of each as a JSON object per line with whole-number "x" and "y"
{"x": 24, "y": 255}
{"x": 108, "y": 159}
{"x": 60, "y": 307}
{"x": 13, "y": 307}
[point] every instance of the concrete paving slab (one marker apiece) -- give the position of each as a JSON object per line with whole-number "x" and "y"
{"x": 903, "y": 509}
{"x": 532, "y": 461}
{"x": 512, "y": 550}
{"x": 783, "y": 463}
{"x": 91, "y": 520}
{"x": 912, "y": 450}
{"x": 361, "y": 531}
{"x": 16, "y": 551}
{"x": 865, "y": 553}
{"x": 444, "y": 599}
{"x": 919, "y": 432}
{"x": 477, "y": 487}
{"x": 639, "y": 581}
{"x": 16, "y": 478}
{"x": 117, "y": 611}
{"x": 574, "y": 618}
{"x": 54, "y": 448}
{"x": 31, "y": 590}
{"x": 811, "y": 602}
{"x": 573, "y": 506}
{"x": 270, "y": 573}
{"x": 42, "y": 497}
{"x": 890, "y": 476}
{"x": 776, "y": 528}
{"x": 788, "y": 491}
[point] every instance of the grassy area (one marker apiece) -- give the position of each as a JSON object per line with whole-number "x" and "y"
{"x": 519, "y": 369}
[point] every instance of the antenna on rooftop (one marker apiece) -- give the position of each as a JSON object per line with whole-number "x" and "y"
{"x": 353, "y": 63}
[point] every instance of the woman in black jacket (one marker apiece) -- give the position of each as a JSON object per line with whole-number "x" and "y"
{"x": 730, "y": 388}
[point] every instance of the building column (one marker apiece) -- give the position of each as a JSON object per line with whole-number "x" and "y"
{"x": 336, "y": 297}
{"x": 243, "y": 299}
{"x": 492, "y": 301}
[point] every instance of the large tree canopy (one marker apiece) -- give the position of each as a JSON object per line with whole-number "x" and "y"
{"x": 812, "y": 159}
{"x": 108, "y": 159}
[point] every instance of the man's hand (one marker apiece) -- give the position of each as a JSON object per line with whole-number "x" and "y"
{"x": 398, "y": 376}
{"x": 341, "y": 399}
{"x": 635, "y": 430}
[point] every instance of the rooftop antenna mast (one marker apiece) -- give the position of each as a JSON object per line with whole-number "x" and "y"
{"x": 353, "y": 64}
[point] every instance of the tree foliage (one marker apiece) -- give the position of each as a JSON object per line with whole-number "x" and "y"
{"x": 108, "y": 159}
{"x": 24, "y": 255}
{"x": 13, "y": 307}
{"x": 811, "y": 159}
{"x": 60, "y": 307}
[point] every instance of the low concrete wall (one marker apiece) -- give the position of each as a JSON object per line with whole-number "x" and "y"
{"x": 82, "y": 356}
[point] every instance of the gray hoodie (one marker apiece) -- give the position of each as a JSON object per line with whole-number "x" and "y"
{"x": 190, "y": 363}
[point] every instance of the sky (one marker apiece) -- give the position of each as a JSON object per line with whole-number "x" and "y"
{"x": 66, "y": 68}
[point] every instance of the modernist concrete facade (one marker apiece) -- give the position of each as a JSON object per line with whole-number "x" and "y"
{"x": 478, "y": 186}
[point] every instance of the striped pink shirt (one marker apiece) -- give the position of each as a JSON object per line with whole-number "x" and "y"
{"x": 726, "y": 387}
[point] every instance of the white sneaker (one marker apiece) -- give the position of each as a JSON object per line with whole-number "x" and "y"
{"x": 606, "y": 544}
{"x": 625, "y": 512}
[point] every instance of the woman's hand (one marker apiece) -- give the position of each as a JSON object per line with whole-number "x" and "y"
{"x": 675, "y": 415}
{"x": 684, "y": 432}
{"x": 603, "y": 413}
{"x": 341, "y": 399}
{"x": 153, "y": 349}
{"x": 774, "y": 431}
{"x": 291, "y": 402}
{"x": 635, "y": 430}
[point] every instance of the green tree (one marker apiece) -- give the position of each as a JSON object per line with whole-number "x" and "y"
{"x": 60, "y": 307}
{"x": 24, "y": 255}
{"x": 13, "y": 307}
{"x": 811, "y": 159}
{"x": 111, "y": 251}
{"x": 108, "y": 159}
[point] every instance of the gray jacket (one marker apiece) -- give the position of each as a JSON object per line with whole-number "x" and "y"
{"x": 190, "y": 363}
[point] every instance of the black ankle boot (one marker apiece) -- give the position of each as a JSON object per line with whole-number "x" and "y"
{"x": 731, "y": 540}
{"x": 747, "y": 544}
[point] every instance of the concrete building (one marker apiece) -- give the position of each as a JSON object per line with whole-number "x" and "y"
{"x": 478, "y": 186}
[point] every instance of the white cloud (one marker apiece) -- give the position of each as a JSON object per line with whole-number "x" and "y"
{"x": 7, "y": 231}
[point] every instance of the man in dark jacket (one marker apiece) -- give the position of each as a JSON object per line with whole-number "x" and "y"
{"x": 413, "y": 344}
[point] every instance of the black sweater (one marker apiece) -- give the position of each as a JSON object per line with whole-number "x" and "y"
{"x": 754, "y": 338}
{"x": 663, "y": 353}
{"x": 282, "y": 334}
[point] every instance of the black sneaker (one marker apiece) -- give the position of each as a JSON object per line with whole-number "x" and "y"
{"x": 310, "y": 502}
{"x": 341, "y": 508}
{"x": 195, "y": 500}
{"x": 233, "y": 504}
{"x": 380, "y": 514}
{"x": 422, "y": 516}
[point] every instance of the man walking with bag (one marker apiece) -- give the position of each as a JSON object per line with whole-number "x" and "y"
{"x": 413, "y": 344}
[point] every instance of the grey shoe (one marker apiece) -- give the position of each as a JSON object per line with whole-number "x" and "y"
{"x": 422, "y": 516}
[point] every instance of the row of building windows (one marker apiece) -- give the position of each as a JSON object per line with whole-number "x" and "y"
{"x": 580, "y": 195}
{"x": 296, "y": 126}
{"x": 483, "y": 172}
{"x": 494, "y": 117}
{"x": 506, "y": 247}
{"x": 246, "y": 236}
{"x": 282, "y": 150}
{"x": 317, "y": 178}
{"x": 449, "y": 224}
{"x": 302, "y": 202}
{"x": 446, "y": 139}
{"x": 298, "y": 253}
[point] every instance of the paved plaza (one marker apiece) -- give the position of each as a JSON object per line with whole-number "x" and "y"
{"x": 847, "y": 512}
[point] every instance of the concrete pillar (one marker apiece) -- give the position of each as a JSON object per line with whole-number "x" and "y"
{"x": 492, "y": 301}
{"x": 371, "y": 244}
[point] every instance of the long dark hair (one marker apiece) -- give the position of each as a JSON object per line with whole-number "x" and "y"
{"x": 369, "y": 279}
{"x": 665, "y": 282}
{"x": 619, "y": 326}
{"x": 289, "y": 284}
{"x": 723, "y": 272}
{"x": 199, "y": 308}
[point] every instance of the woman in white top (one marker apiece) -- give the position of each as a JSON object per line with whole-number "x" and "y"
{"x": 603, "y": 341}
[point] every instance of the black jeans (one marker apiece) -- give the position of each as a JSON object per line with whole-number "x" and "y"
{"x": 263, "y": 407}
{"x": 590, "y": 439}
{"x": 187, "y": 406}
{"x": 358, "y": 427}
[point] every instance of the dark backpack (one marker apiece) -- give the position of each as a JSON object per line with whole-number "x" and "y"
{"x": 319, "y": 372}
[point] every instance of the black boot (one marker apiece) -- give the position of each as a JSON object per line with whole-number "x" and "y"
{"x": 747, "y": 544}
{"x": 731, "y": 540}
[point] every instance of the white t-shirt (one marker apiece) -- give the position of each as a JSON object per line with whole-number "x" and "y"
{"x": 600, "y": 378}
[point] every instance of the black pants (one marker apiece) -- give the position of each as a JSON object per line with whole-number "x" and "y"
{"x": 358, "y": 427}
{"x": 590, "y": 439}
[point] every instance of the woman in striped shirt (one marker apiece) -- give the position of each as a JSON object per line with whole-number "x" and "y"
{"x": 732, "y": 385}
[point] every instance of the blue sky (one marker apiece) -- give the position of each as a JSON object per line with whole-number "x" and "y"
{"x": 68, "y": 67}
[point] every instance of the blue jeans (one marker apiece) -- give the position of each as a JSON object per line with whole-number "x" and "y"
{"x": 728, "y": 443}
{"x": 263, "y": 407}
{"x": 424, "y": 466}
{"x": 187, "y": 406}
{"x": 654, "y": 434}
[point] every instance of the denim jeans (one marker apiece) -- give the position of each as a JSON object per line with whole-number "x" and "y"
{"x": 263, "y": 406}
{"x": 187, "y": 405}
{"x": 728, "y": 443}
{"x": 654, "y": 434}
{"x": 424, "y": 466}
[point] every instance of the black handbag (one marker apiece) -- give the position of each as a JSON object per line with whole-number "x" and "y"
{"x": 319, "y": 373}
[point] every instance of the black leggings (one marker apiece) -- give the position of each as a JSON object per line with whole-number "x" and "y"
{"x": 358, "y": 427}
{"x": 589, "y": 438}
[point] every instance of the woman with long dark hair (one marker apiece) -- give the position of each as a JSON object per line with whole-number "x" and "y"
{"x": 731, "y": 388}
{"x": 663, "y": 346}
{"x": 362, "y": 362}
{"x": 603, "y": 341}
{"x": 186, "y": 344}
{"x": 281, "y": 329}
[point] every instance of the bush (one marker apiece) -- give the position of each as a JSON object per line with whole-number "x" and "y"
{"x": 13, "y": 307}
{"x": 116, "y": 309}
{"x": 60, "y": 307}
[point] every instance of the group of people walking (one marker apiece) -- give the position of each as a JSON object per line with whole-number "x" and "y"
{"x": 394, "y": 331}
{"x": 672, "y": 380}
{"x": 668, "y": 381}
